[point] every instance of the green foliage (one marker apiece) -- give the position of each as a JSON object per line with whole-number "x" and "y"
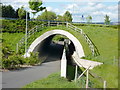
{"x": 52, "y": 81}
{"x": 105, "y": 39}
{"x": 8, "y": 11}
{"x": 10, "y": 40}
{"x": 13, "y": 26}
{"x": 96, "y": 25}
{"x": 67, "y": 16}
{"x": 12, "y": 62}
{"x": 89, "y": 19}
{"x": 59, "y": 38}
{"x": 47, "y": 15}
{"x": 33, "y": 59}
{"x": 22, "y": 13}
{"x": 60, "y": 18}
{"x": 107, "y": 19}
{"x": 6, "y": 50}
{"x": 36, "y": 5}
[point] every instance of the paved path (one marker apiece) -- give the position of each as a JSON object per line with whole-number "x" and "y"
{"x": 17, "y": 79}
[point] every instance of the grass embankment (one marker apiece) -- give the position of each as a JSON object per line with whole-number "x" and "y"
{"x": 12, "y": 39}
{"x": 105, "y": 39}
{"x": 52, "y": 81}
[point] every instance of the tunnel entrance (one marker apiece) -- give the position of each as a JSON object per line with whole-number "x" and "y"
{"x": 52, "y": 48}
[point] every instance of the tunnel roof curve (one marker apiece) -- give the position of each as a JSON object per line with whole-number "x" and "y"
{"x": 77, "y": 44}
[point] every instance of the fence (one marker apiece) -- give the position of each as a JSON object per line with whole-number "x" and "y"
{"x": 92, "y": 47}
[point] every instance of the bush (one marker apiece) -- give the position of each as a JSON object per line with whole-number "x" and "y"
{"x": 13, "y": 26}
{"x": 12, "y": 62}
{"x": 33, "y": 59}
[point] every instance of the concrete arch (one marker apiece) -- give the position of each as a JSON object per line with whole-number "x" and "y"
{"x": 77, "y": 44}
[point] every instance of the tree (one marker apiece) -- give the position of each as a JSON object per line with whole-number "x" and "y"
{"x": 36, "y": 6}
{"x": 16, "y": 14}
{"x": 89, "y": 19}
{"x": 8, "y": 11}
{"x": 47, "y": 15}
{"x": 22, "y": 13}
{"x": 107, "y": 19}
{"x": 67, "y": 16}
{"x": 60, "y": 18}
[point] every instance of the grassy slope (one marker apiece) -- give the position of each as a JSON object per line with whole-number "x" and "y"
{"x": 104, "y": 38}
{"x": 52, "y": 81}
{"x": 12, "y": 39}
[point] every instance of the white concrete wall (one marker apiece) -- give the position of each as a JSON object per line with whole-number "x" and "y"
{"x": 64, "y": 65}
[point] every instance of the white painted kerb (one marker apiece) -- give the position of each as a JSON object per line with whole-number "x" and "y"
{"x": 77, "y": 44}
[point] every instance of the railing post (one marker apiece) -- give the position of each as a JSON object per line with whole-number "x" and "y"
{"x": 48, "y": 23}
{"x": 87, "y": 79}
{"x": 81, "y": 31}
{"x": 75, "y": 28}
{"x": 76, "y": 68}
{"x": 67, "y": 24}
{"x": 57, "y": 23}
{"x": 104, "y": 85}
{"x": 36, "y": 28}
{"x": 93, "y": 51}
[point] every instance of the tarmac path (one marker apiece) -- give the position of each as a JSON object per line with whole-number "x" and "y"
{"x": 19, "y": 78}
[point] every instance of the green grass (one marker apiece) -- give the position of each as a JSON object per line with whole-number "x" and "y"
{"x": 105, "y": 39}
{"x": 76, "y": 34}
{"x": 12, "y": 39}
{"x": 52, "y": 81}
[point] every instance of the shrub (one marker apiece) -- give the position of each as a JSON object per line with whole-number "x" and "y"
{"x": 13, "y": 26}
{"x": 33, "y": 59}
{"x": 12, "y": 62}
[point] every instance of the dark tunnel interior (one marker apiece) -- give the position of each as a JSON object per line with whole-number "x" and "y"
{"x": 53, "y": 50}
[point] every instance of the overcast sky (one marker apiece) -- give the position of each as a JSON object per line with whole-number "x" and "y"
{"x": 77, "y": 7}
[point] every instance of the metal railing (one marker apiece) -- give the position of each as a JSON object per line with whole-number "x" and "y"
{"x": 29, "y": 33}
{"x": 91, "y": 45}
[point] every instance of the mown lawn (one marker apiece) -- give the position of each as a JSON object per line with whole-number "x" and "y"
{"x": 52, "y": 81}
{"x": 11, "y": 39}
{"x": 105, "y": 39}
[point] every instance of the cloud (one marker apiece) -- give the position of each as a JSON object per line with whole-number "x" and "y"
{"x": 49, "y": 8}
{"x": 92, "y": 3}
{"x": 96, "y": 9}
{"x": 71, "y": 6}
{"x": 113, "y": 8}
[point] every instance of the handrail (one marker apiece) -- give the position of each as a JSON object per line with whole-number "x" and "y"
{"x": 87, "y": 39}
{"x": 29, "y": 33}
{"x": 92, "y": 47}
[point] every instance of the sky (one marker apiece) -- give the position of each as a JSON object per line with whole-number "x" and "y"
{"x": 77, "y": 8}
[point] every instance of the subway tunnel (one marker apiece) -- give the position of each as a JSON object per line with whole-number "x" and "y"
{"x": 53, "y": 50}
